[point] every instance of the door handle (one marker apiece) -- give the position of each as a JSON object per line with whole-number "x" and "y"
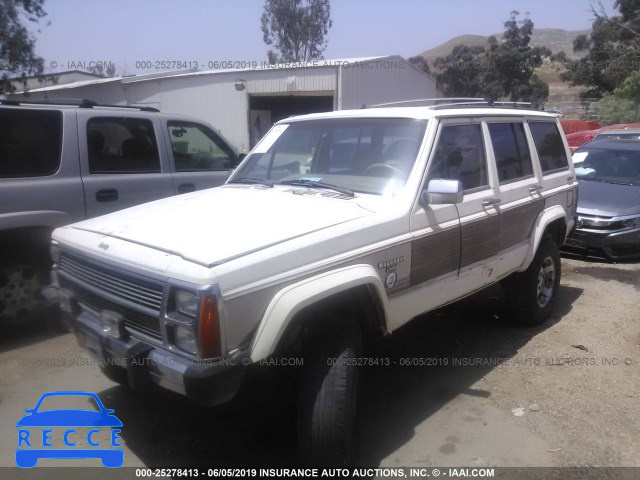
{"x": 535, "y": 188}
{"x": 490, "y": 202}
{"x": 107, "y": 195}
{"x": 186, "y": 188}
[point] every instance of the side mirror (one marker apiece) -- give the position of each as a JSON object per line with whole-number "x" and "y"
{"x": 442, "y": 192}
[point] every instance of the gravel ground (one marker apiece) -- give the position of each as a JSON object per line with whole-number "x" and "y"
{"x": 561, "y": 395}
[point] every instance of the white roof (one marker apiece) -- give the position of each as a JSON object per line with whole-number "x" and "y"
{"x": 426, "y": 112}
{"x": 261, "y": 66}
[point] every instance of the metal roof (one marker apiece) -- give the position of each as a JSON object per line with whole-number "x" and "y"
{"x": 263, "y": 66}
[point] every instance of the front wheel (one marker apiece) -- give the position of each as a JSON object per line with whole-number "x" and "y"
{"x": 328, "y": 394}
{"x": 531, "y": 295}
{"x": 19, "y": 286}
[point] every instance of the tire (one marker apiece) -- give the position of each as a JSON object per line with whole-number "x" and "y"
{"x": 531, "y": 295}
{"x": 19, "y": 286}
{"x": 328, "y": 393}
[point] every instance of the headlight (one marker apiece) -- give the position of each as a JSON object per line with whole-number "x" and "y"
{"x": 633, "y": 222}
{"x": 184, "y": 339}
{"x": 186, "y": 303}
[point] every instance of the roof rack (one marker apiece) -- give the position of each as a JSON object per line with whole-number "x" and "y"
{"x": 433, "y": 101}
{"x": 74, "y": 102}
{"x": 463, "y": 102}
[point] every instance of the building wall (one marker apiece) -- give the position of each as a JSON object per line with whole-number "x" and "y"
{"x": 381, "y": 81}
{"x": 214, "y": 98}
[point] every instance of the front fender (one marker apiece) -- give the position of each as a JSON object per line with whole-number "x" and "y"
{"x": 291, "y": 300}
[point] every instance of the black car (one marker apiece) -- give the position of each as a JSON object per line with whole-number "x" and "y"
{"x": 608, "y": 173}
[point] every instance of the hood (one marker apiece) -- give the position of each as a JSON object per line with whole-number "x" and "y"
{"x": 607, "y": 199}
{"x": 214, "y": 226}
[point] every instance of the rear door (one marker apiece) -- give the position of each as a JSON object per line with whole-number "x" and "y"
{"x": 122, "y": 164}
{"x": 199, "y": 157}
{"x": 520, "y": 186}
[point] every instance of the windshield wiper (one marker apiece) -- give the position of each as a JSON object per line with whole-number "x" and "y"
{"x": 313, "y": 184}
{"x": 253, "y": 181}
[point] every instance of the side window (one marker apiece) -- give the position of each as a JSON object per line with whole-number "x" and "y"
{"x": 30, "y": 143}
{"x": 548, "y": 142}
{"x": 197, "y": 148}
{"x": 122, "y": 145}
{"x": 460, "y": 156}
{"x": 513, "y": 160}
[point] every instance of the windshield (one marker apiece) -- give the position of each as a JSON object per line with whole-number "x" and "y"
{"x": 610, "y": 166}
{"x": 366, "y": 155}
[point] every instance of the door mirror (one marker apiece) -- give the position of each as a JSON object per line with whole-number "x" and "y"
{"x": 442, "y": 192}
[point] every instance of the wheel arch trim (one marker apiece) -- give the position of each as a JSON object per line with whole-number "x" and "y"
{"x": 543, "y": 221}
{"x": 291, "y": 300}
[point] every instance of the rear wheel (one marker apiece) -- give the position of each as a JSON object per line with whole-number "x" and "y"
{"x": 328, "y": 393}
{"x": 531, "y": 295}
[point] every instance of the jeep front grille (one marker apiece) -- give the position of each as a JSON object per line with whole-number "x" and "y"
{"x": 100, "y": 287}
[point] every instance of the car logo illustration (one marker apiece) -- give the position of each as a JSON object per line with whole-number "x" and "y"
{"x": 36, "y": 433}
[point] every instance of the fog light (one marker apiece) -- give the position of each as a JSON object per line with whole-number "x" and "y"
{"x": 112, "y": 324}
{"x": 184, "y": 339}
{"x": 67, "y": 301}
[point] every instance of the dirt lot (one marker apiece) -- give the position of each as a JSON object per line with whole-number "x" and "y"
{"x": 563, "y": 394}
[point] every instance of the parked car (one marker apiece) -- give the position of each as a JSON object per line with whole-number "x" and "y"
{"x": 618, "y": 134}
{"x": 608, "y": 225}
{"x": 337, "y": 229}
{"x": 63, "y": 163}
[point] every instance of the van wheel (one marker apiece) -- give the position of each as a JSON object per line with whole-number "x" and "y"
{"x": 19, "y": 285}
{"x": 328, "y": 394}
{"x": 531, "y": 295}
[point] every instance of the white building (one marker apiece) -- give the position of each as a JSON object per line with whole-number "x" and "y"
{"x": 243, "y": 103}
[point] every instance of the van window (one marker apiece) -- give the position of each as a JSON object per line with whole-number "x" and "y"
{"x": 197, "y": 148}
{"x": 513, "y": 160}
{"x": 548, "y": 142}
{"x": 30, "y": 143}
{"x": 122, "y": 145}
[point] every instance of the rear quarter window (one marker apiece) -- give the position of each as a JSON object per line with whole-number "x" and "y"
{"x": 30, "y": 143}
{"x": 549, "y": 146}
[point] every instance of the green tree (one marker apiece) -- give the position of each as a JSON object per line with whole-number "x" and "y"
{"x": 420, "y": 63}
{"x": 611, "y": 50}
{"x": 512, "y": 63}
{"x": 501, "y": 70}
{"x": 462, "y": 72}
{"x": 623, "y": 105}
{"x": 17, "y": 45}
{"x": 297, "y": 29}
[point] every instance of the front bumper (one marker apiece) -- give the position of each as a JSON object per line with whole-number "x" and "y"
{"x": 207, "y": 382}
{"x": 617, "y": 245}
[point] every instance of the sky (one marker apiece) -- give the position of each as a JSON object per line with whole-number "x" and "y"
{"x": 137, "y": 35}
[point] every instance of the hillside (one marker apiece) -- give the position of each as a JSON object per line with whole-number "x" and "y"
{"x": 554, "y": 39}
{"x": 557, "y": 40}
